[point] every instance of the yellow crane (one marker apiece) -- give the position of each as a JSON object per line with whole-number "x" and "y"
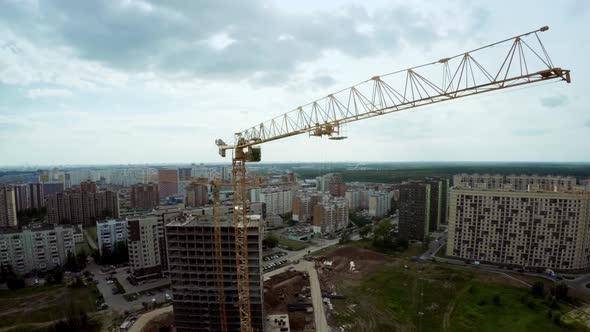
{"x": 523, "y": 60}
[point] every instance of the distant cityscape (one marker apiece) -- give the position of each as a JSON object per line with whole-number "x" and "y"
{"x": 159, "y": 223}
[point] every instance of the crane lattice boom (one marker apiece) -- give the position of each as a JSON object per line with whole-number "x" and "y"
{"x": 508, "y": 63}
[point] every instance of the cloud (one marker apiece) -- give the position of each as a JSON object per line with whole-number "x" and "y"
{"x": 41, "y": 93}
{"x": 554, "y": 101}
{"x": 323, "y": 80}
{"x": 528, "y": 132}
{"x": 220, "y": 39}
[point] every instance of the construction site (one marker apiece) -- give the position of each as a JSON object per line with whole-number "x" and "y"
{"x": 289, "y": 292}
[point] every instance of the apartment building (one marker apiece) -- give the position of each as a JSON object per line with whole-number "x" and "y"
{"x": 278, "y": 200}
{"x": 303, "y": 203}
{"x": 379, "y": 203}
{"x": 197, "y": 194}
{"x": 330, "y": 215}
{"x": 7, "y": 207}
{"x": 422, "y": 208}
{"x": 28, "y": 196}
{"x": 353, "y": 199}
{"x": 110, "y": 232}
{"x": 192, "y": 270}
{"x": 515, "y": 182}
{"x": 534, "y": 228}
{"x": 82, "y": 207}
{"x": 37, "y": 247}
{"x": 145, "y": 241}
{"x": 168, "y": 182}
{"x": 144, "y": 196}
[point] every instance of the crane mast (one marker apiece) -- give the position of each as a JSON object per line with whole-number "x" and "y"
{"x": 526, "y": 61}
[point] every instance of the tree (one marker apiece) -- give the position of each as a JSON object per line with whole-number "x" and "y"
{"x": 55, "y": 276}
{"x": 71, "y": 263}
{"x": 538, "y": 289}
{"x": 364, "y": 231}
{"x": 496, "y": 299}
{"x": 402, "y": 244}
{"x": 560, "y": 291}
{"x": 383, "y": 236}
{"x": 82, "y": 259}
{"x": 270, "y": 241}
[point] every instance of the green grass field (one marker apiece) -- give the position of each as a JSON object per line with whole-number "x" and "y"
{"x": 293, "y": 245}
{"x": 43, "y": 303}
{"x": 427, "y": 297}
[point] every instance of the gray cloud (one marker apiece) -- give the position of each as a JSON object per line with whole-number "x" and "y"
{"x": 554, "y": 101}
{"x": 173, "y": 36}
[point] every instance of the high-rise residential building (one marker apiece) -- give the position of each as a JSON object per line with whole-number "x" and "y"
{"x": 332, "y": 183}
{"x": 88, "y": 186}
{"x": 36, "y": 196}
{"x": 422, "y": 208}
{"x": 110, "y": 232}
{"x": 353, "y": 199}
{"x": 226, "y": 173}
{"x": 303, "y": 203}
{"x": 7, "y": 207}
{"x": 379, "y": 204}
{"x": 197, "y": 194}
{"x": 184, "y": 174}
{"x": 75, "y": 207}
{"x": 144, "y": 196}
{"x": 192, "y": 271}
{"x": 201, "y": 171}
{"x": 36, "y": 247}
{"x": 50, "y": 188}
{"x": 21, "y": 197}
{"x": 514, "y": 182}
{"x": 145, "y": 239}
{"x": 168, "y": 182}
{"x": 330, "y": 215}
{"x": 523, "y": 228}
{"x": 278, "y": 200}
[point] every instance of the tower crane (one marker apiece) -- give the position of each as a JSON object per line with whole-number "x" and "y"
{"x": 523, "y": 60}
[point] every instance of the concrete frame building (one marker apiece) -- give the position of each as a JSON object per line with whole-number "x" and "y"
{"x": 529, "y": 229}
{"x": 192, "y": 270}
{"x": 7, "y": 207}
{"x": 109, "y": 233}
{"x": 144, "y": 196}
{"x": 37, "y": 247}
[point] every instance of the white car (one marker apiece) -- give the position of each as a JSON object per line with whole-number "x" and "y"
{"x": 110, "y": 282}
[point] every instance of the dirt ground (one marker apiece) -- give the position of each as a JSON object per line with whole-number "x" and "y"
{"x": 287, "y": 288}
{"x": 365, "y": 262}
{"x": 162, "y": 321}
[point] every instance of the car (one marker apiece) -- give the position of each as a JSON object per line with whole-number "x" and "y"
{"x": 115, "y": 290}
{"x": 109, "y": 281}
{"x": 168, "y": 297}
{"x": 153, "y": 300}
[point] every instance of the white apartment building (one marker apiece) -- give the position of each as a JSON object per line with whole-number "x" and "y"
{"x": 278, "y": 200}
{"x": 109, "y": 233}
{"x": 379, "y": 203}
{"x": 145, "y": 241}
{"x": 38, "y": 247}
{"x": 540, "y": 229}
{"x": 330, "y": 215}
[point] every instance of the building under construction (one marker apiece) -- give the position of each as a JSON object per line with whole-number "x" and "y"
{"x": 194, "y": 278}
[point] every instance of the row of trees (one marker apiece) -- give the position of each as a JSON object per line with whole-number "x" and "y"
{"x": 384, "y": 238}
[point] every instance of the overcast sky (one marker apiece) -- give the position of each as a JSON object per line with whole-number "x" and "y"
{"x": 94, "y": 82}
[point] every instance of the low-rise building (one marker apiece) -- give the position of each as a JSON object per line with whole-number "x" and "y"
{"x": 37, "y": 247}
